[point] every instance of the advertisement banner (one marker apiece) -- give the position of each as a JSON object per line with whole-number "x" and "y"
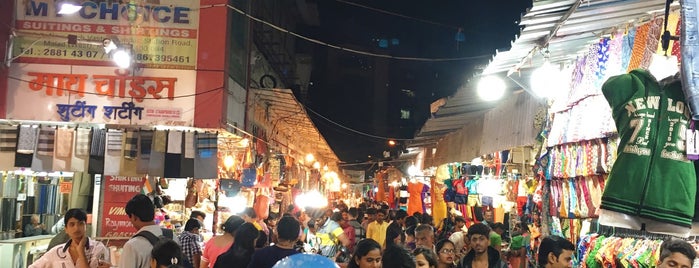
{"x": 117, "y": 191}
{"x": 162, "y": 35}
{"x": 94, "y": 94}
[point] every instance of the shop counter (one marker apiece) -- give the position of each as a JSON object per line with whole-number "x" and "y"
{"x": 20, "y": 252}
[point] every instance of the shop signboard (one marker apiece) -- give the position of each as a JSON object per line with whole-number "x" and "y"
{"x": 98, "y": 94}
{"x": 117, "y": 191}
{"x": 162, "y": 35}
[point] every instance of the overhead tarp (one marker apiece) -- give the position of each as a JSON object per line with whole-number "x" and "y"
{"x": 511, "y": 123}
{"x": 459, "y": 146}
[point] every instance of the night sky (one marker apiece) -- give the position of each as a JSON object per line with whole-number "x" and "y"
{"x": 487, "y": 26}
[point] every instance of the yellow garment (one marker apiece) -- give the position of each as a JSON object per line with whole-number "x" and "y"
{"x": 439, "y": 207}
{"x": 377, "y": 232}
{"x": 499, "y": 214}
{"x": 673, "y": 21}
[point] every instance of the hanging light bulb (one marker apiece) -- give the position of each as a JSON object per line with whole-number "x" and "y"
{"x": 244, "y": 142}
{"x": 228, "y": 161}
{"x": 491, "y": 88}
{"x": 316, "y": 165}
{"x": 310, "y": 158}
{"x": 545, "y": 80}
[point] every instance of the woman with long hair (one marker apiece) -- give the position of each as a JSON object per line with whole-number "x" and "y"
{"x": 240, "y": 254}
{"x": 166, "y": 254}
{"x": 394, "y": 235}
{"x": 367, "y": 254}
{"x": 446, "y": 252}
{"x": 219, "y": 244}
{"x": 425, "y": 258}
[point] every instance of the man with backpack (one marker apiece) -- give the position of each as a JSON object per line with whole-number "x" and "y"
{"x": 136, "y": 251}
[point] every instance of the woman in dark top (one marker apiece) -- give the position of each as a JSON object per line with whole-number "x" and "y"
{"x": 240, "y": 254}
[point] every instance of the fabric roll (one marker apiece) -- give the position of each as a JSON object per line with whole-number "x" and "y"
{"x": 206, "y": 145}
{"x": 189, "y": 145}
{"x": 97, "y": 143}
{"x": 174, "y": 142}
{"x": 82, "y": 142}
{"x": 64, "y": 142}
{"x": 114, "y": 140}
{"x": 46, "y": 142}
{"x": 131, "y": 144}
{"x": 160, "y": 141}
{"x": 8, "y": 138}
{"x": 27, "y": 139}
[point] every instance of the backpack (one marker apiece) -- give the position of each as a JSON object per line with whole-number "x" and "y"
{"x": 154, "y": 240}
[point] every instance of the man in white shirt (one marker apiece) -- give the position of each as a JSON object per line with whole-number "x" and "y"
{"x": 79, "y": 251}
{"x": 136, "y": 251}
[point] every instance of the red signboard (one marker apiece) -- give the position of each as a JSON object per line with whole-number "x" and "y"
{"x": 121, "y": 189}
{"x": 117, "y": 191}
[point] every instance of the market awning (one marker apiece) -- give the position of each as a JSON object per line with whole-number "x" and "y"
{"x": 289, "y": 123}
{"x": 567, "y": 27}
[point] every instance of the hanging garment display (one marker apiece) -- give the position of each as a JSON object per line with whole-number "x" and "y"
{"x": 650, "y": 117}
{"x": 156, "y": 165}
{"x": 82, "y": 142}
{"x": 98, "y": 142}
{"x": 81, "y": 151}
{"x": 145, "y": 146}
{"x": 173, "y": 156}
{"x": 43, "y": 156}
{"x": 187, "y": 160}
{"x": 689, "y": 40}
{"x": 415, "y": 200}
{"x": 113, "y": 154}
{"x": 205, "y": 161}
{"x": 8, "y": 146}
{"x": 64, "y": 149}
{"x": 131, "y": 144}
